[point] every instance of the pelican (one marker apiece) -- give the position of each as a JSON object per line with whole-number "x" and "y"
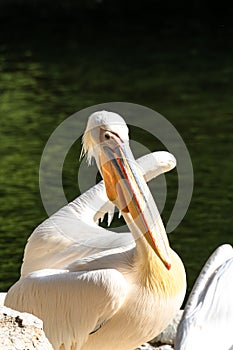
{"x": 94, "y": 288}
{"x": 208, "y": 316}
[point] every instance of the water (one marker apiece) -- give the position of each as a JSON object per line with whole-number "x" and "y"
{"x": 47, "y": 76}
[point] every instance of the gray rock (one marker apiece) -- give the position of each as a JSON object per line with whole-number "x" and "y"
{"x": 167, "y": 337}
{"x": 21, "y": 331}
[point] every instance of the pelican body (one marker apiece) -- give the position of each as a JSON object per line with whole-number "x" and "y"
{"x": 94, "y": 288}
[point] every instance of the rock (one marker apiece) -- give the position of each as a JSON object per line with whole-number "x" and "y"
{"x": 21, "y": 331}
{"x": 168, "y": 335}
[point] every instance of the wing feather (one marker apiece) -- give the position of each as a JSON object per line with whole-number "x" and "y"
{"x": 208, "y": 316}
{"x": 63, "y": 299}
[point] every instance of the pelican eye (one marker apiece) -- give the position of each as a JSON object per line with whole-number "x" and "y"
{"x": 107, "y": 135}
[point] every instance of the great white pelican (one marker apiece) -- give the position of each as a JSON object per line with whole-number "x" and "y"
{"x": 208, "y": 315}
{"x": 94, "y": 288}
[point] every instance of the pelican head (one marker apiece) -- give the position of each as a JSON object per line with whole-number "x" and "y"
{"x": 106, "y": 138}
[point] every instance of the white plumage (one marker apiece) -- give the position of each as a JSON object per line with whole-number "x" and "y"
{"x": 95, "y": 288}
{"x": 208, "y": 316}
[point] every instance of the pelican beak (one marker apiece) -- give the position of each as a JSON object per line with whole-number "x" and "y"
{"x": 128, "y": 190}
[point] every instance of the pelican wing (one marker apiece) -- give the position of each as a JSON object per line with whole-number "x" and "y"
{"x": 209, "y": 310}
{"x": 73, "y": 232}
{"x": 69, "y": 235}
{"x": 156, "y": 163}
{"x": 72, "y": 305}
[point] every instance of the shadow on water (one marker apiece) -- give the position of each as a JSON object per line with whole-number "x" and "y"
{"x": 51, "y": 69}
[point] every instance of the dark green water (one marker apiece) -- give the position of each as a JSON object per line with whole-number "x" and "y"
{"x": 47, "y": 76}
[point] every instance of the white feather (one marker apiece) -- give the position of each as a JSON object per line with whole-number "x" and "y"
{"x": 208, "y": 316}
